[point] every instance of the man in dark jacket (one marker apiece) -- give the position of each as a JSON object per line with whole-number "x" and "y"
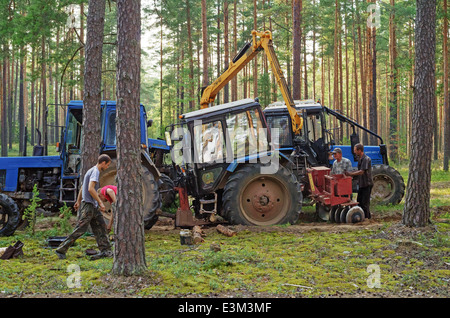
{"x": 365, "y": 182}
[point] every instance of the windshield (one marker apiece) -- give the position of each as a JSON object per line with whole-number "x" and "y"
{"x": 314, "y": 126}
{"x": 209, "y": 142}
{"x": 246, "y": 133}
{"x": 281, "y": 130}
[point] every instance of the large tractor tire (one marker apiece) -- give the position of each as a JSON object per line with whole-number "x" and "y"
{"x": 150, "y": 194}
{"x": 166, "y": 190}
{"x": 388, "y": 185}
{"x": 9, "y": 215}
{"x": 252, "y": 198}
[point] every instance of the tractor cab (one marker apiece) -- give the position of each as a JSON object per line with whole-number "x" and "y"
{"x": 212, "y": 142}
{"x": 70, "y": 145}
{"x": 316, "y": 140}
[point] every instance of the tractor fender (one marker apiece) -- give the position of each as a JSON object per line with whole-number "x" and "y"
{"x": 147, "y": 162}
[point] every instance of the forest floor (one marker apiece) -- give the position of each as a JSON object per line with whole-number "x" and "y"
{"x": 378, "y": 258}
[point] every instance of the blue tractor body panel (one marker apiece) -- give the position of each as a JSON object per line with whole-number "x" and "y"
{"x": 11, "y": 166}
{"x": 158, "y": 144}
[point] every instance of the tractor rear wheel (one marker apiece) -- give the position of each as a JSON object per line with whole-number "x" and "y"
{"x": 388, "y": 185}
{"x": 252, "y": 198}
{"x": 151, "y": 200}
{"x": 9, "y": 215}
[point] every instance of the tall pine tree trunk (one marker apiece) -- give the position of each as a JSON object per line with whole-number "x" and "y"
{"x": 446, "y": 92}
{"x": 296, "y": 51}
{"x": 205, "y": 44}
{"x": 393, "y": 101}
{"x": 21, "y": 106}
{"x": 234, "y": 93}
{"x": 92, "y": 84}
{"x": 4, "y": 123}
{"x": 129, "y": 253}
{"x": 417, "y": 204}
{"x": 191, "y": 57}
{"x": 44, "y": 97}
{"x": 373, "y": 110}
{"x": 226, "y": 47}
{"x": 255, "y": 60}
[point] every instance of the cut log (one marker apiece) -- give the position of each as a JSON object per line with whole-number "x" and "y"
{"x": 225, "y": 231}
{"x": 197, "y": 234}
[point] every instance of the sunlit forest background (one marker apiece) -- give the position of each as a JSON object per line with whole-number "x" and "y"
{"x": 357, "y": 57}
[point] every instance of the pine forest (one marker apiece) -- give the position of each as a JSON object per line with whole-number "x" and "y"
{"x": 355, "y": 56}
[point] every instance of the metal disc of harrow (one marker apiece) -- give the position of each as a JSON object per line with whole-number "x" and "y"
{"x": 323, "y": 211}
{"x": 332, "y": 213}
{"x": 355, "y": 215}
{"x": 343, "y": 216}
{"x": 337, "y": 216}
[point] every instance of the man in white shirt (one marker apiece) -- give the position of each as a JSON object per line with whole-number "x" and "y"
{"x": 340, "y": 165}
{"x": 90, "y": 206}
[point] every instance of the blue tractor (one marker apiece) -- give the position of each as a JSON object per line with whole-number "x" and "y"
{"x": 58, "y": 177}
{"x": 317, "y": 142}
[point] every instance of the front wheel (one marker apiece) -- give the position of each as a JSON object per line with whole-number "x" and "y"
{"x": 252, "y": 198}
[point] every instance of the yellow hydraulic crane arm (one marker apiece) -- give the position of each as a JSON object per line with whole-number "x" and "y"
{"x": 243, "y": 58}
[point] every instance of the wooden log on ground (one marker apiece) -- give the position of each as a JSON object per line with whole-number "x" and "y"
{"x": 225, "y": 231}
{"x": 197, "y": 234}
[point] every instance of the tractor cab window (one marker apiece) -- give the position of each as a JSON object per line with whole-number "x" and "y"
{"x": 74, "y": 131}
{"x": 110, "y": 133}
{"x": 314, "y": 126}
{"x": 209, "y": 142}
{"x": 280, "y": 129}
{"x": 318, "y": 141}
{"x": 246, "y": 133}
{"x": 74, "y": 135}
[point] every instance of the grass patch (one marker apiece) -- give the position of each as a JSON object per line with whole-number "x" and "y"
{"x": 281, "y": 261}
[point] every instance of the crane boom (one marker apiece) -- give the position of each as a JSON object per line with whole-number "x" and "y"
{"x": 247, "y": 53}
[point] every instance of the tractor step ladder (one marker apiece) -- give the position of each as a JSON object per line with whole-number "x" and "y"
{"x": 202, "y": 202}
{"x": 68, "y": 187}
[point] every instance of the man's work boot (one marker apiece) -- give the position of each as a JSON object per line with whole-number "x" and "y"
{"x": 104, "y": 254}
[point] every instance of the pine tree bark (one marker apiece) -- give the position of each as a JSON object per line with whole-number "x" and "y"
{"x": 32, "y": 96}
{"x": 336, "y": 103}
{"x": 255, "y": 60}
{"x": 129, "y": 252}
{"x": 4, "y": 123}
{"x": 44, "y": 96}
{"x": 92, "y": 84}
{"x": 226, "y": 47}
{"x": 234, "y": 91}
{"x": 191, "y": 57}
{"x": 393, "y": 100}
{"x": 21, "y": 114}
{"x": 373, "y": 110}
{"x": 296, "y": 48}
{"x": 417, "y": 203}
{"x": 56, "y": 92}
{"x": 204, "y": 44}
{"x": 446, "y": 92}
